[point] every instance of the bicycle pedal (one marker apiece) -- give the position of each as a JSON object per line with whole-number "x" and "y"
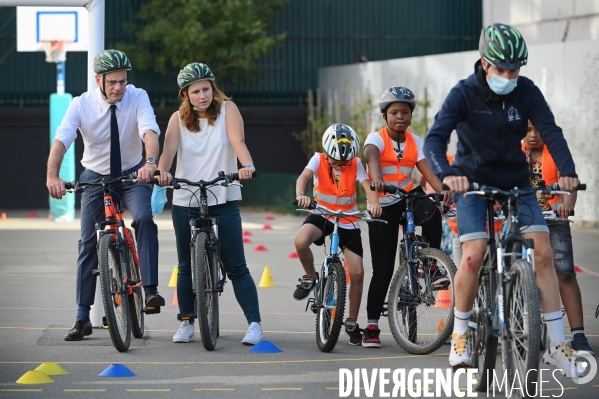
{"x": 152, "y": 310}
{"x": 350, "y": 325}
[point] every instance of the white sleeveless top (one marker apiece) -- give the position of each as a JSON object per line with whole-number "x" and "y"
{"x": 201, "y": 155}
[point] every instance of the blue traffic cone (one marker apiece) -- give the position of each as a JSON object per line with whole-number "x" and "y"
{"x": 117, "y": 370}
{"x": 265, "y": 347}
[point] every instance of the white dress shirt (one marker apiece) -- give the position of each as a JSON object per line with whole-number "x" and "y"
{"x": 91, "y": 115}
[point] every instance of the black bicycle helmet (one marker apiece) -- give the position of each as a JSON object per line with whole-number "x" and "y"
{"x": 503, "y": 46}
{"x": 194, "y": 72}
{"x": 111, "y": 61}
{"x": 397, "y": 94}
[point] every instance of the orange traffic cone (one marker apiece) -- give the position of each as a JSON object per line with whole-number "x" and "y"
{"x": 347, "y": 279}
{"x": 3, "y": 217}
{"x": 444, "y": 299}
{"x": 175, "y": 301}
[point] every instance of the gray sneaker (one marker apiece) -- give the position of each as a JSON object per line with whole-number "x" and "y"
{"x": 303, "y": 289}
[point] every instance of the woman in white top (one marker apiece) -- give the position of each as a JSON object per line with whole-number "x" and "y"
{"x": 207, "y": 136}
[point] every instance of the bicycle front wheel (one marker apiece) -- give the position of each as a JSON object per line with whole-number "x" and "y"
{"x": 422, "y": 322}
{"x": 206, "y": 295}
{"x": 329, "y": 318}
{"x": 114, "y": 293}
{"x": 523, "y": 314}
{"x": 136, "y": 301}
{"x": 482, "y": 340}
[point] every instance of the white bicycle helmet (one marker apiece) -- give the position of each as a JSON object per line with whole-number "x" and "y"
{"x": 340, "y": 142}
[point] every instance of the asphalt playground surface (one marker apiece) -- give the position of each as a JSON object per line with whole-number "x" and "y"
{"x": 37, "y": 308}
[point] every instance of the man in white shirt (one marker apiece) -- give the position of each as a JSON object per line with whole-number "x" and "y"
{"x": 113, "y": 120}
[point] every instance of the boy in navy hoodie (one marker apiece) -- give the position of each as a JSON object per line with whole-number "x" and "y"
{"x": 490, "y": 111}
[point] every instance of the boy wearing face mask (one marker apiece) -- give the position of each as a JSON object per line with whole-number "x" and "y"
{"x": 490, "y": 111}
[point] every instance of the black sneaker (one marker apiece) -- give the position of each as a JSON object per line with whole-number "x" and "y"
{"x": 353, "y": 330}
{"x": 303, "y": 289}
{"x": 153, "y": 302}
{"x": 371, "y": 339}
{"x": 80, "y": 329}
{"x": 580, "y": 343}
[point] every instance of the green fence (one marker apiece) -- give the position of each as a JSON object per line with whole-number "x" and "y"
{"x": 271, "y": 192}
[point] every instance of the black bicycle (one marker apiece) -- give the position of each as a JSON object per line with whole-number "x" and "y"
{"x": 507, "y": 303}
{"x": 207, "y": 271}
{"x": 420, "y": 302}
{"x": 118, "y": 266}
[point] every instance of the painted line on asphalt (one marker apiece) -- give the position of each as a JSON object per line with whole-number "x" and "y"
{"x": 20, "y": 390}
{"x": 214, "y": 389}
{"x": 148, "y": 390}
{"x": 281, "y": 389}
{"x": 249, "y": 362}
{"x": 85, "y": 390}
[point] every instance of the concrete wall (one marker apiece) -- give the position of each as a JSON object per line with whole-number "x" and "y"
{"x": 546, "y": 21}
{"x": 566, "y": 73}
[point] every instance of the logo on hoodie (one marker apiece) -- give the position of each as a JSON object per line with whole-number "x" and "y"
{"x": 512, "y": 114}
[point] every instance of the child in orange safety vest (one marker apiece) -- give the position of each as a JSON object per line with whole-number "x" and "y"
{"x": 542, "y": 167}
{"x": 335, "y": 172}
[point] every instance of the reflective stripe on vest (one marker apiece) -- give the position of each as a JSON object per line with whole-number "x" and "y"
{"x": 398, "y": 172}
{"x": 341, "y": 197}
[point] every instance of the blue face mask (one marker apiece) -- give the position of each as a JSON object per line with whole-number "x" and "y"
{"x": 158, "y": 199}
{"x": 501, "y": 85}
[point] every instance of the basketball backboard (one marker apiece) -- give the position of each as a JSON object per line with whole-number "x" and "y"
{"x": 36, "y": 25}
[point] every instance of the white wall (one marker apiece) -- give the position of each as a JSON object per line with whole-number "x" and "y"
{"x": 566, "y": 73}
{"x": 546, "y": 21}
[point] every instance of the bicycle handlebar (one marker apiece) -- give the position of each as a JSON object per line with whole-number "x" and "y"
{"x": 78, "y": 186}
{"x": 396, "y": 191}
{"x": 222, "y": 176}
{"x": 488, "y": 191}
{"x": 365, "y": 215}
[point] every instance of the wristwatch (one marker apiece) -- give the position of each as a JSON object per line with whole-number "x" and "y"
{"x": 152, "y": 160}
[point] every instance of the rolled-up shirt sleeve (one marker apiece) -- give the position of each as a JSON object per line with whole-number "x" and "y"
{"x": 146, "y": 119}
{"x": 67, "y": 131}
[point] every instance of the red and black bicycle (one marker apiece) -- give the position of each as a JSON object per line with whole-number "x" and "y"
{"x": 118, "y": 267}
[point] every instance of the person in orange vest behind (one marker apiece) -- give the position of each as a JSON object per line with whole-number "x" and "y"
{"x": 542, "y": 167}
{"x": 391, "y": 155}
{"x": 335, "y": 172}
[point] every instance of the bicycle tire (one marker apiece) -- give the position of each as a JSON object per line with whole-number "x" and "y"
{"x": 483, "y": 343}
{"x": 329, "y": 317}
{"x": 524, "y": 316}
{"x": 114, "y": 296}
{"x": 543, "y": 345}
{"x": 206, "y": 295}
{"x": 428, "y": 329}
{"x": 136, "y": 300}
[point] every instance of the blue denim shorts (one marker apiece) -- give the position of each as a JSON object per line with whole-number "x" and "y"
{"x": 472, "y": 216}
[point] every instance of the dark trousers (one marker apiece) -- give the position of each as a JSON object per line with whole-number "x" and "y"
{"x": 232, "y": 256}
{"x": 384, "y": 241}
{"x": 137, "y": 201}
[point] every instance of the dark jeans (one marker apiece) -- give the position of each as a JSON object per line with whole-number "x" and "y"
{"x": 137, "y": 201}
{"x": 384, "y": 241}
{"x": 231, "y": 254}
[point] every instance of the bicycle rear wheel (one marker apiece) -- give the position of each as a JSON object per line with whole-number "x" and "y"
{"x": 206, "y": 295}
{"x": 422, "y": 323}
{"x": 136, "y": 301}
{"x": 114, "y": 293}
{"x": 329, "y": 318}
{"x": 521, "y": 353}
{"x": 483, "y": 343}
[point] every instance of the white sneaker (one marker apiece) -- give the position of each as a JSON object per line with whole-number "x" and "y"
{"x": 459, "y": 356}
{"x": 254, "y": 334}
{"x": 185, "y": 333}
{"x": 560, "y": 356}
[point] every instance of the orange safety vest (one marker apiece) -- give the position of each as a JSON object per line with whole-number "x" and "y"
{"x": 341, "y": 197}
{"x": 549, "y": 172}
{"x": 429, "y": 189}
{"x": 398, "y": 172}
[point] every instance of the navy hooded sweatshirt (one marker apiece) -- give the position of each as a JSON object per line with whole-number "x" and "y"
{"x": 490, "y": 128}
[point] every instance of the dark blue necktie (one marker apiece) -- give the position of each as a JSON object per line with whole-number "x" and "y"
{"x": 115, "y": 154}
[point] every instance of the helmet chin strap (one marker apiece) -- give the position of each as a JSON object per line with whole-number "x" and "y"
{"x": 103, "y": 91}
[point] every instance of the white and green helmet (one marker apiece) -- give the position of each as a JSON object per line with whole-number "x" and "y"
{"x": 194, "y": 72}
{"x": 503, "y": 46}
{"x": 110, "y": 61}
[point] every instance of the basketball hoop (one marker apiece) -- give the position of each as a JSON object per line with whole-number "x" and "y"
{"x": 56, "y": 50}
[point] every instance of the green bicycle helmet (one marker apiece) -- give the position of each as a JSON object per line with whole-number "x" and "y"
{"x": 503, "y": 46}
{"x": 111, "y": 61}
{"x": 194, "y": 72}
